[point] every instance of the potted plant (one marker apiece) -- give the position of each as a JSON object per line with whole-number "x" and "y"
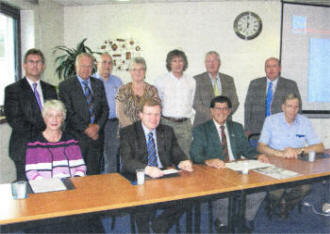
{"x": 66, "y": 61}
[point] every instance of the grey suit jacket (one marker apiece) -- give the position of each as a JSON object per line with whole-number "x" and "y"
{"x": 72, "y": 95}
{"x": 255, "y": 101}
{"x": 133, "y": 147}
{"x": 204, "y": 94}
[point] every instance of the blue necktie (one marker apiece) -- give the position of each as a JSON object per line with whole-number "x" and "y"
{"x": 269, "y": 99}
{"x": 151, "y": 148}
{"x": 36, "y": 94}
{"x": 89, "y": 99}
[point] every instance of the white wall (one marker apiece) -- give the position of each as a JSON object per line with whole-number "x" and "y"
{"x": 195, "y": 27}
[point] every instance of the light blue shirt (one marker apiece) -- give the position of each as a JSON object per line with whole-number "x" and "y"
{"x": 81, "y": 81}
{"x": 217, "y": 79}
{"x": 278, "y": 134}
{"x": 146, "y": 132}
{"x": 111, "y": 87}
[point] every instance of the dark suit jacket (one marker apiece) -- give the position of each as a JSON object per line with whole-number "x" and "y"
{"x": 206, "y": 142}
{"x": 204, "y": 94}
{"x": 23, "y": 115}
{"x": 77, "y": 120}
{"x": 133, "y": 147}
{"x": 255, "y": 101}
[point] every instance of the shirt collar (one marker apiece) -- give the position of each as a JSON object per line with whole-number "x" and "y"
{"x": 147, "y": 131}
{"x": 216, "y": 77}
{"x": 295, "y": 121}
{"x": 218, "y": 125}
{"x": 173, "y": 76}
{"x": 82, "y": 80}
{"x": 31, "y": 82}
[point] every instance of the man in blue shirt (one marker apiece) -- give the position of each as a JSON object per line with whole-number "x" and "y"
{"x": 111, "y": 86}
{"x": 288, "y": 134}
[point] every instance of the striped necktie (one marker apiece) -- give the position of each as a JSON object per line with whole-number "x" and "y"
{"x": 36, "y": 94}
{"x": 224, "y": 144}
{"x": 269, "y": 99}
{"x": 151, "y": 148}
{"x": 89, "y": 98}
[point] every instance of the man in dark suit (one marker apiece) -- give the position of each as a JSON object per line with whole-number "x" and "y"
{"x": 23, "y": 103}
{"x": 210, "y": 84}
{"x": 219, "y": 140}
{"x": 151, "y": 146}
{"x": 87, "y": 111}
{"x": 265, "y": 96}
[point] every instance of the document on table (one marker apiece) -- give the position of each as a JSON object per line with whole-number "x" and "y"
{"x": 47, "y": 185}
{"x": 251, "y": 164}
{"x": 277, "y": 173}
{"x": 170, "y": 171}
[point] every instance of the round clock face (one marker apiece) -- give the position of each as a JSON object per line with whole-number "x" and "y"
{"x": 247, "y": 25}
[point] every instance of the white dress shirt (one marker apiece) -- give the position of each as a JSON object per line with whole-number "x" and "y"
{"x": 230, "y": 152}
{"x": 39, "y": 89}
{"x": 176, "y": 94}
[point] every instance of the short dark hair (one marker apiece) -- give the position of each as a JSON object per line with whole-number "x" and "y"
{"x": 149, "y": 102}
{"x": 220, "y": 99}
{"x": 34, "y": 51}
{"x": 176, "y": 53}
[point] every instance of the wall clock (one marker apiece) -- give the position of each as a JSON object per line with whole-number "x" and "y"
{"x": 247, "y": 25}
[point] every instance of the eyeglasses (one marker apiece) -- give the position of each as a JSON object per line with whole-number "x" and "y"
{"x": 38, "y": 62}
{"x": 221, "y": 108}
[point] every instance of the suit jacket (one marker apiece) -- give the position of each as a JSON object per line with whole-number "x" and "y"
{"x": 255, "y": 101}
{"x": 72, "y": 95}
{"x": 23, "y": 115}
{"x": 206, "y": 142}
{"x": 133, "y": 147}
{"x": 204, "y": 95}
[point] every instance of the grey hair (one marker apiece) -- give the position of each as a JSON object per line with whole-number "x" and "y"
{"x": 212, "y": 52}
{"x": 79, "y": 56}
{"x": 55, "y": 105}
{"x": 138, "y": 60}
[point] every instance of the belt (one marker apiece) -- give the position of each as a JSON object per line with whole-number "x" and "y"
{"x": 113, "y": 119}
{"x": 178, "y": 120}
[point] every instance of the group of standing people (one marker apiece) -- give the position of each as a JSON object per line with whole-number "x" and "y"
{"x": 198, "y": 111}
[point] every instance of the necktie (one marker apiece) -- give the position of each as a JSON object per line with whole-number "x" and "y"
{"x": 36, "y": 94}
{"x": 89, "y": 99}
{"x": 216, "y": 88}
{"x": 224, "y": 143}
{"x": 151, "y": 148}
{"x": 269, "y": 98}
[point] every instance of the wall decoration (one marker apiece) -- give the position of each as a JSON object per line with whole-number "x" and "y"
{"x": 122, "y": 51}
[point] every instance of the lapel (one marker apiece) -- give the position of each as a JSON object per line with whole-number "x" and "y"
{"x": 30, "y": 100}
{"x": 214, "y": 137}
{"x": 141, "y": 141}
{"x": 233, "y": 146}
{"x": 277, "y": 93}
{"x": 161, "y": 146}
{"x": 80, "y": 97}
{"x": 208, "y": 85}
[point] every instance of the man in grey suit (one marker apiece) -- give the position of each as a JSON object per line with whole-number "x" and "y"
{"x": 265, "y": 96}
{"x": 211, "y": 84}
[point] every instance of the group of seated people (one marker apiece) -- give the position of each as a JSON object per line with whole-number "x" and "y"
{"x": 156, "y": 128}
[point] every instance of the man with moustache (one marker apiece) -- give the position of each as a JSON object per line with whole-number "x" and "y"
{"x": 111, "y": 86}
{"x": 87, "y": 111}
{"x": 265, "y": 95}
{"x": 210, "y": 84}
{"x": 23, "y": 104}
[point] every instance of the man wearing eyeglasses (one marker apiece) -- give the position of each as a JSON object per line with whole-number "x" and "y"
{"x": 23, "y": 103}
{"x": 220, "y": 140}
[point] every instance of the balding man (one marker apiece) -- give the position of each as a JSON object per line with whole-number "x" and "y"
{"x": 265, "y": 95}
{"x": 87, "y": 111}
{"x": 210, "y": 84}
{"x": 111, "y": 86}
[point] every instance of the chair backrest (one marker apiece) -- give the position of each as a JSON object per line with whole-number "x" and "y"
{"x": 253, "y": 139}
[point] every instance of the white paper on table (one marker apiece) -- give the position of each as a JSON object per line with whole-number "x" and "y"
{"x": 47, "y": 185}
{"x": 170, "y": 171}
{"x": 251, "y": 164}
{"x": 277, "y": 173}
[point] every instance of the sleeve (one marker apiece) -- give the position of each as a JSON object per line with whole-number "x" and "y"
{"x": 311, "y": 136}
{"x": 248, "y": 108}
{"x": 127, "y": 153}
{"x": 296, "y": 91}
{"x": 198, "y": 103}
{"x": 233, "y": 97}
{"x": 198, "y": 146}
{"x": 124, "y": 120}
{"x": 266, "y": 132}
{"x": 31, "y": 166}
{"x": 76, "y": 161}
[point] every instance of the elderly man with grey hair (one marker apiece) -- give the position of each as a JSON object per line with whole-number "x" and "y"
{"x": 210, "y": 84}
{"x": 87, "y": 111}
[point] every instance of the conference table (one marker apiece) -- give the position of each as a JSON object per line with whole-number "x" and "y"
{"x": 113, "y": 192}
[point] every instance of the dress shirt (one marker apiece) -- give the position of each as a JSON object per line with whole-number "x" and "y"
{"x": 274, "y": 85}
{"x": 230, "y": 152}
{"x": 176, "y": 94}
{"x": 278, "y": 134}
{"x": 111, "y": 87}
{"x": 217, "y": 78}
{"x": 39, "y": 89}
{"x": 81, "y": 81}
{"x": 146, "y": 132}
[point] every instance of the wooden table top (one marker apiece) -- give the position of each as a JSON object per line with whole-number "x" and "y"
{"x": 112, "y": 191}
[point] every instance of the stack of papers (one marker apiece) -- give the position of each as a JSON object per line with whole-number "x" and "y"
{"x": 251, "y": 164}
{"x": 277, "y": 173}
{"x": 47, "y": 185}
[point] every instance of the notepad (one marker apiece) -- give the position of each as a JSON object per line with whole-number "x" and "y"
{"x": 47, "y": 185}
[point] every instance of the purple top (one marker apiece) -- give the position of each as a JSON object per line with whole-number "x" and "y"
{"x": 54, "y": 159}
